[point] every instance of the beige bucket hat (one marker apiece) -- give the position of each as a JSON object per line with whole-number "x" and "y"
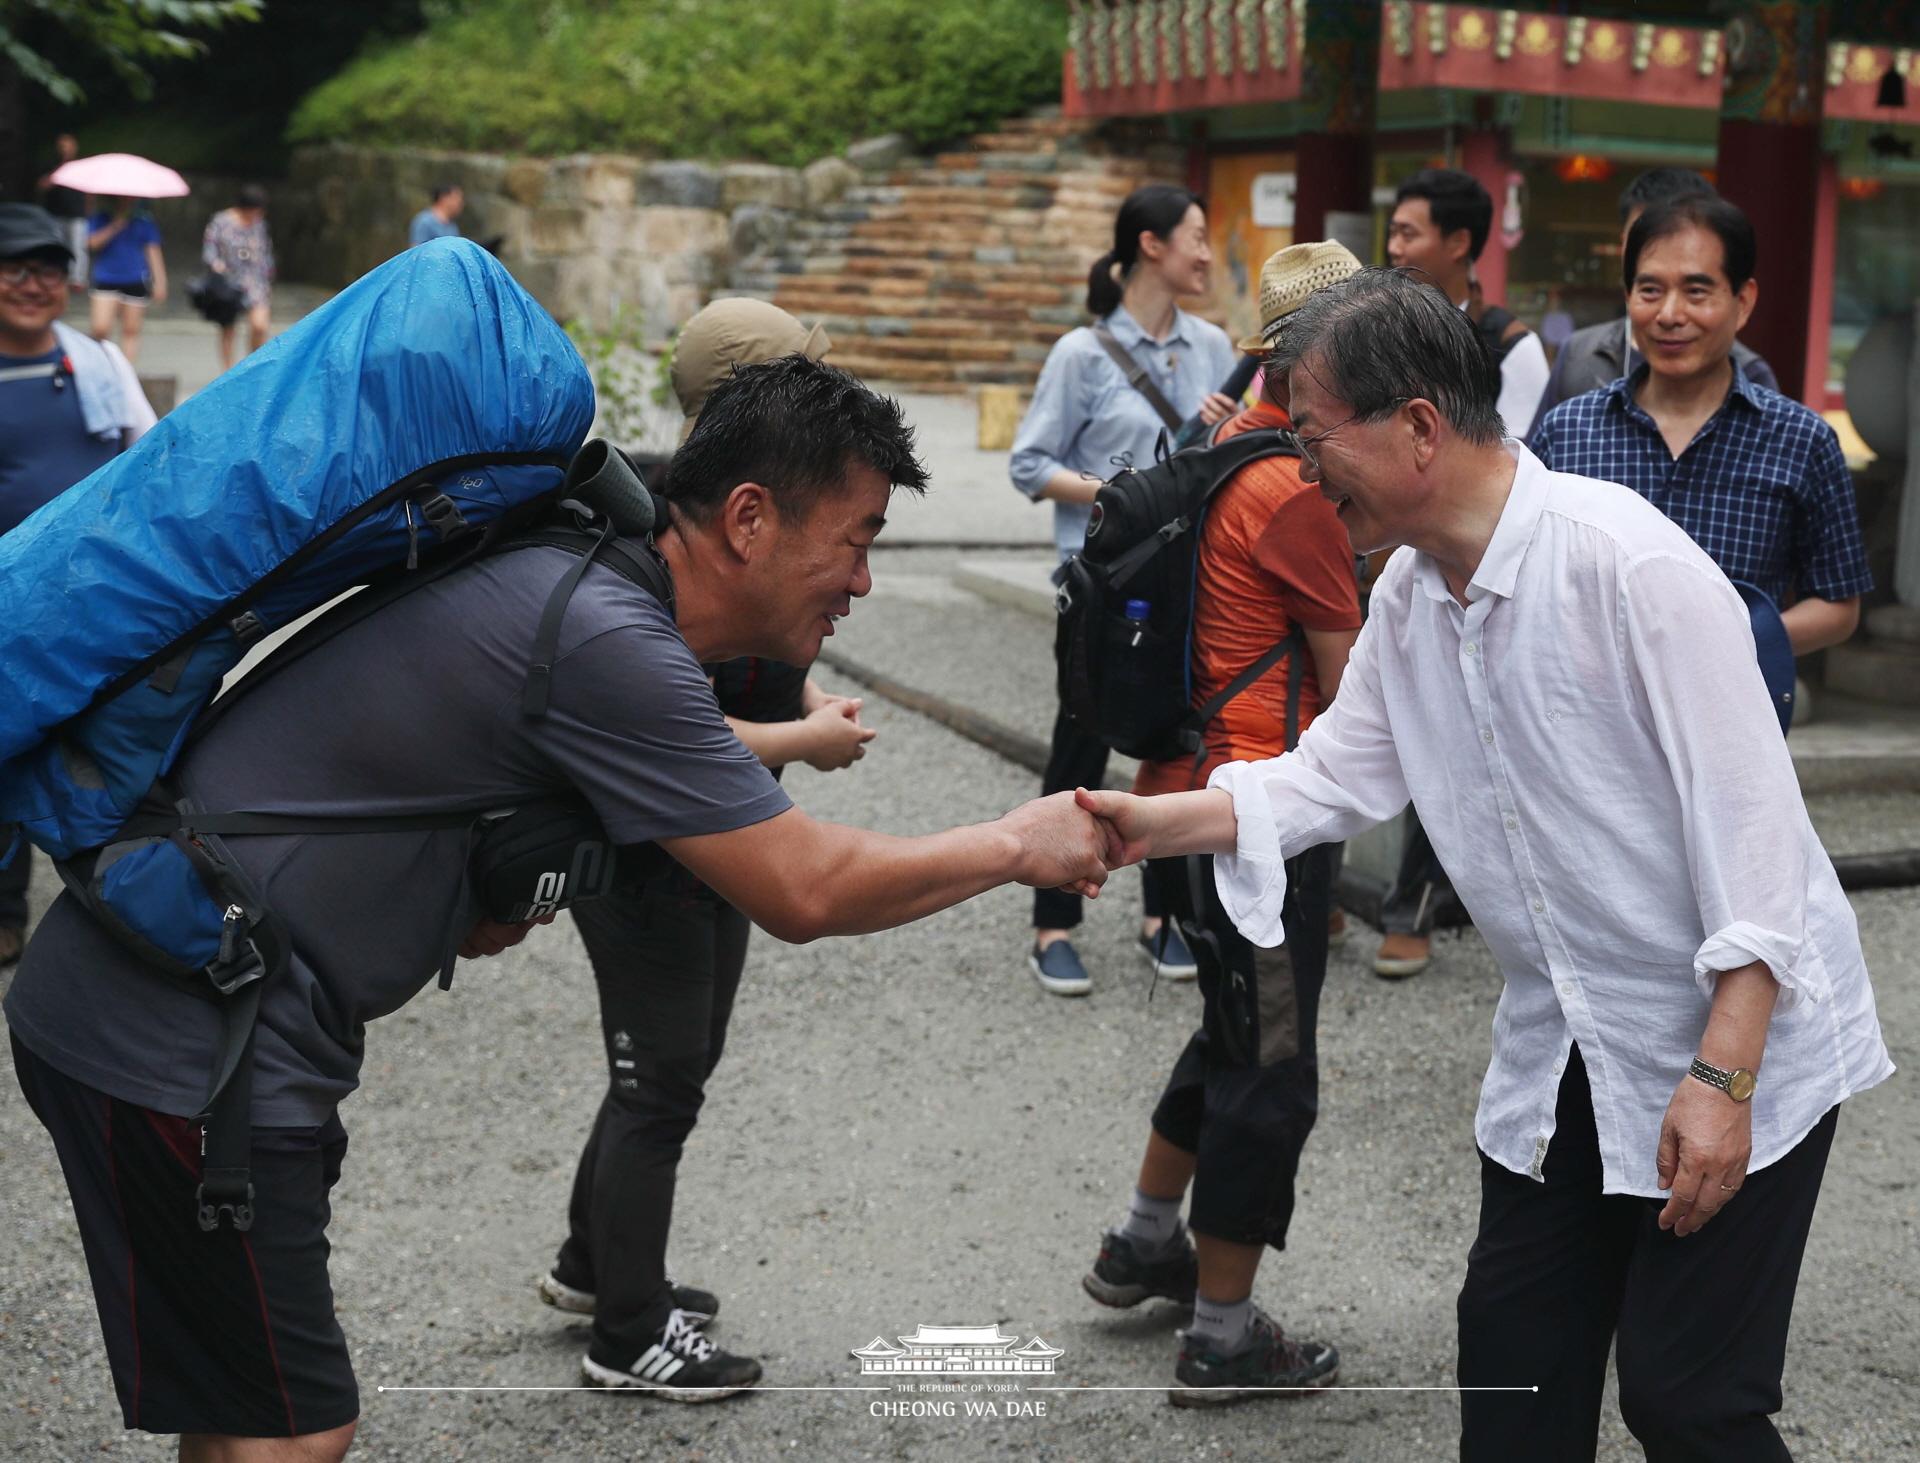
{"x": 1288, "y": 277}
{"x": 736, "y": 332}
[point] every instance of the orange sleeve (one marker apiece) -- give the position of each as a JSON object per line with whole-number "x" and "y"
{"x": 1306, "y": 549}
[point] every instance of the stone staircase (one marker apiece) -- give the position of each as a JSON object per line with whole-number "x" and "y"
{"x": 960, "y": 269}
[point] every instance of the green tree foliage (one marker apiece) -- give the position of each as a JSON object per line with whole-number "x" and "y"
{"x": 786, "y": 81}
{"x": 127, "y": 36}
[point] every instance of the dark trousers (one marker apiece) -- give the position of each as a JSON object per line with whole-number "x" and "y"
{"x": 667, "y": 960}
{"x": 1421, "y": 889}
{"x": 1560, "y": 1271}
{"x": 1244, "y": 1093}
{"x": 1076, "y": 759}
{"x": 13, "y": 882}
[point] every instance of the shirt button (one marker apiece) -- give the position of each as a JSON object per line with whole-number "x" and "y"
{"x": 1539, "y": 906}
{"x": 1471, "y": 647}
{"x": 1512, "y": 823}
{"x": 1486, "y": 736}
{"x": 1566, "y": 988}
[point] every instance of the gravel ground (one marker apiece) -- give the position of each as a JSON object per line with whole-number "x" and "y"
{"x": 907, "y": 1130}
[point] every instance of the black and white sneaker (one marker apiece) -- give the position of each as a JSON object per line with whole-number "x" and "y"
{"x": 683, "y": 1365}
{"x": 702, "y": 1305}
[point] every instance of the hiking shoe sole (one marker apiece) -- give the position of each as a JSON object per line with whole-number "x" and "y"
{"x": 618, "y": 1381}
{"x": 1123, "y": 1297}
{"x": 1228, "y": 1396}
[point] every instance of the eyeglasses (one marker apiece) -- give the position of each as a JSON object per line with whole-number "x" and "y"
{"x": 1307, "y": 443}
{"x": 41, "y": 271}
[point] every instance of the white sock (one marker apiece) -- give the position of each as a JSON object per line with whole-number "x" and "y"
{"x": 1151, "y": 1223}
{"x": 1223, "y": 1324}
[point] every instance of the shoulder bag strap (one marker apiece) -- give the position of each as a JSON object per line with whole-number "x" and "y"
{"x": 1137, "y": 377}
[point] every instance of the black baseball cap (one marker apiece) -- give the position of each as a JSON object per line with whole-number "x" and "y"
{"x": 28, "y": 229}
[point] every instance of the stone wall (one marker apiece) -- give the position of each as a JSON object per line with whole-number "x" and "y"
{"x": 589, "y": 235}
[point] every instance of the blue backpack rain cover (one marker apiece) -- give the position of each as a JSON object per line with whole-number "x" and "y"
{"x": 414, "y": 409}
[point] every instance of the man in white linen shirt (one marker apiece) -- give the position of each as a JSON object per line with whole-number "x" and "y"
{"x": 1564, "y": 685}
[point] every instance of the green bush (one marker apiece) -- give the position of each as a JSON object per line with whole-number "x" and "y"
{"x": 785, "y": 81}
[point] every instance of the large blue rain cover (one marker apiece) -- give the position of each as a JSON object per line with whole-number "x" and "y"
{"x": 263, "y": 493}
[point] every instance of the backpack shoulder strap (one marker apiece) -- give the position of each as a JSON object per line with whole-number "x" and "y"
{"x": 1223, "y": 460}
{"x": 1137, "y": 376}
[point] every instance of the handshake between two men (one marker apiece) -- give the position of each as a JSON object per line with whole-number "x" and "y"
{"x": 800, "y": 878}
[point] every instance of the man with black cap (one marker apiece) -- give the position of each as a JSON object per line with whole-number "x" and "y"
{"x": 68, "y": 403}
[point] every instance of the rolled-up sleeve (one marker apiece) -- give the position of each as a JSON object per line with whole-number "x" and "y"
{"x": 1053, "y": 420}
{"x": 1343, "y": 778}
{"x": 1691, "y": 650}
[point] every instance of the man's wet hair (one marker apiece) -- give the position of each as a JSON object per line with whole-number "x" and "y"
{"x": 1386, "y": 336}
{"x": 797, "y": 427}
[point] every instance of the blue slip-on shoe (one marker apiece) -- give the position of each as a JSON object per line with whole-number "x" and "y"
{"x": 1167, "y": 951}
{"x": 1058, "y": 969}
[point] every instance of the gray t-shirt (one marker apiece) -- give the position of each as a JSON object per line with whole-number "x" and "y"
{"x": 416, "y": 708}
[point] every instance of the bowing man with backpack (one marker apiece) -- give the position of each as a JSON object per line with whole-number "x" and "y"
{"x": 1107, "y": 394}
{"x": 1220, "y": 570}
{"x": 250, "y": 882}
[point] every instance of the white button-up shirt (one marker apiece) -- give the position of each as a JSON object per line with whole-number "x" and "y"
{"x": 1591, "y": 749}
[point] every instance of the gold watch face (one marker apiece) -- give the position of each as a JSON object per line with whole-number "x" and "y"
{"x": 1740, "y": 1084}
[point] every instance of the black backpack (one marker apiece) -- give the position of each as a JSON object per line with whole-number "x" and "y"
{"x": 1124, "y": 643}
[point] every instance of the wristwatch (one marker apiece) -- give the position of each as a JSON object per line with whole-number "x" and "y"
{"x": 1737, "y": 1084}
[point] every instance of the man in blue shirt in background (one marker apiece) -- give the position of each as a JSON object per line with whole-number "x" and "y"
{"x": 436, "y": 220}
{"x": 67, "y": 404}
{"x": 1755, "y": 478}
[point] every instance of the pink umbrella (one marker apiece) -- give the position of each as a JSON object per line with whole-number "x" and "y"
{"x": 120, "y": 175}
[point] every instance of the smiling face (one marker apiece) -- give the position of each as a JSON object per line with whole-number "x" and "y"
{"x": 1184, "y": 259}
{"x": 29, "y": 307}
{"x": 1365, "y": 469}
{"x": 815, "y": 565}
{"x": 1685, "y": 312}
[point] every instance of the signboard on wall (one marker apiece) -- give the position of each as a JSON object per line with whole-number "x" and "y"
{"x": 1273, "y": 200}
{"x": 1355, "y": 230}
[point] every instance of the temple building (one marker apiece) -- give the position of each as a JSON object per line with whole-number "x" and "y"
{"x": 1300, "y": 117}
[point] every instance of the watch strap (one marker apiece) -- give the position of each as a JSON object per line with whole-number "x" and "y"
{"x": 1720, "y": 1077}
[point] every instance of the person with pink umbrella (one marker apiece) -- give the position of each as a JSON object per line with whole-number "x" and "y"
{"x": 128, "y": 270}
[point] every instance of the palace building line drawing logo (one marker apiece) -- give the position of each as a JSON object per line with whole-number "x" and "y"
{"x": 956, "y": 1351}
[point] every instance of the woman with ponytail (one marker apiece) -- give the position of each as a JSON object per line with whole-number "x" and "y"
{"x": 1086, "y": 418}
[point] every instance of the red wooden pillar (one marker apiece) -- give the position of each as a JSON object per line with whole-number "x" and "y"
{"x": 1769, "y": 164}
{"x": 1485, "y": 152}
{"x": 1339, "y": 82}
{"x": 1826, "y": 223}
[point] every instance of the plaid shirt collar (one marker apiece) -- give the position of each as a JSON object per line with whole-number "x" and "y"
{"x": 1620, "y": 395}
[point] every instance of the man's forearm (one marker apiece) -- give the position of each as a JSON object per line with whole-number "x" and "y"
{"x": 1736, "y": 1034}
{"x": 1814, "y": 624}
{"x": 861, "y": 881}
{"x": 1192, "y": 822}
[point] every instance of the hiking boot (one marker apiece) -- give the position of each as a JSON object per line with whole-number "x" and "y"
{"x": 1168, "y": 953}
{"x": 1123, "y": 1277}
{"x": 1267, "y": 1365}
{"x": 1058, "y": 969}
{"x": 682, "y": 1365}
{"x": 702, "y": 1305}
{"x": 1401, "y": 956}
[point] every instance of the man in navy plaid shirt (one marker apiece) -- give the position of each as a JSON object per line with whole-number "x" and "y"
{"x": 1757, "y": 479}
